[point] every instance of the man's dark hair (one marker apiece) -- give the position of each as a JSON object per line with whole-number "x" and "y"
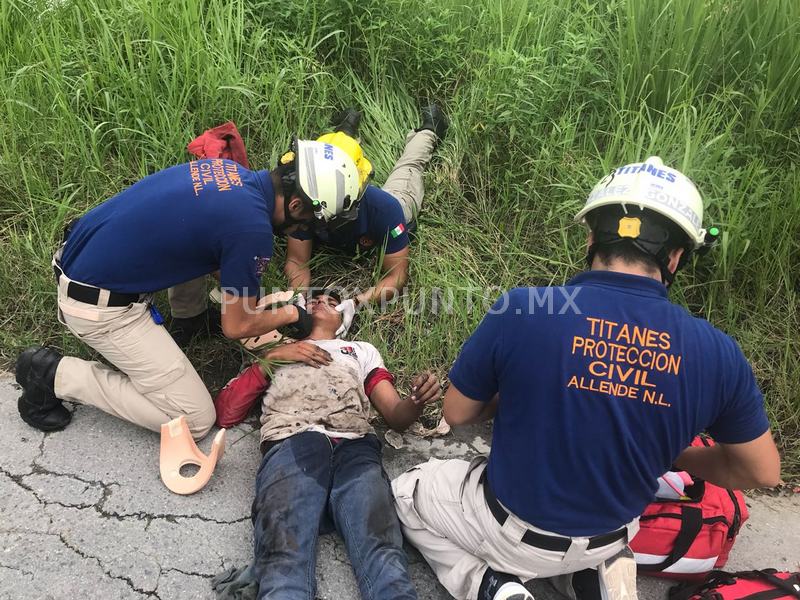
{"x": 282, "y": 169}
{"x": 626, "y": 252}
{"x": 659, "y": 235}
{"x": 285, "y": 172}
{"x": 315, "y": 292}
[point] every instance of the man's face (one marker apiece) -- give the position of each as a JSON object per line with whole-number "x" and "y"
{"x": 322, "y": 309}
{"x": 298, "y": 218}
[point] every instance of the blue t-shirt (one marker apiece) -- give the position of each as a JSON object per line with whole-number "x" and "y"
{"x": 176, "y": 225}
{"x": 380, "y": 218}
{"x": 602, "y": 384}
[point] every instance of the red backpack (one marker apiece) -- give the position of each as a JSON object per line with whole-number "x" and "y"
{"x": 686, "y": 539}
{"x": 767, "y": 584}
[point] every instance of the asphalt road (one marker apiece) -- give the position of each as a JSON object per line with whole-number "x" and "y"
{"x": 83, "y": 514}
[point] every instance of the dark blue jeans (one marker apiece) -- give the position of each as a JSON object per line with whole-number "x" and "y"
{"x": 307, "y": 485}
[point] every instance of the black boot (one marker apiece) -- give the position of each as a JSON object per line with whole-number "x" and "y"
{"x": 347, "y": 121}
{"x": 38, "y": 405}
{"x": 207, "y": 323}
{"x": 434, "y": 119}
{"x": 494, "y": 580}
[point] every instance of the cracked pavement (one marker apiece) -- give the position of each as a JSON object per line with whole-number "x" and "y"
{"x": 83, "y": 514}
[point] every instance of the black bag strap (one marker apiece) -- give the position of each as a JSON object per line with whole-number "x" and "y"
{"x": 685, "y": 591}
{"x": 691, "y": 524}
{"x": 783, "y": 587}
{"x": 766, "y": 595}
{"x": 788, "y": 586}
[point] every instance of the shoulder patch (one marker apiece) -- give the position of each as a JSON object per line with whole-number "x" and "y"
{"x": 261, "y": 264}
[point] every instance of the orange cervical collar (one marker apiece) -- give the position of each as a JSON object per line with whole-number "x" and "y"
{"x": 178, "y": 449}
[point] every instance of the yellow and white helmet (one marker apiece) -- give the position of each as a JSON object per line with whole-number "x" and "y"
{"x": 654, "y": 186}
{"x": 328, "y": 178}
{"x": 353, "y": 149}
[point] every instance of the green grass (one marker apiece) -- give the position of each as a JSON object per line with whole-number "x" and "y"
{"x": 545, "y": 97}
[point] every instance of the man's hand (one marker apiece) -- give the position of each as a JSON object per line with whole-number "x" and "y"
{"x": 242, "y": 317}
{"x": 394, "y": 275}
{"x": 399, "y": 413}
{"x": 304, "y": 352}
{"x": 425, "y": 389}
{"x": 301, "y": 328}
{"x": 348, "y": 310}
{"x": 299, "y": 299}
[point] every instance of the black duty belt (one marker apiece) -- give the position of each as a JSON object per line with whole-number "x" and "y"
{"x": 540, "y": 540}
{"x": 91, "y": 295}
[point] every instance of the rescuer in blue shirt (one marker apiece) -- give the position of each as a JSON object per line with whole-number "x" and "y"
{"x": 209, "y": 216}
{"x": 383, "y": 219}
{"x": 596, "y": 387}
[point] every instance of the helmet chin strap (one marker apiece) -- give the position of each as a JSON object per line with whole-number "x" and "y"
{"x": 644, "y": 233}
{"x": 288, "y": 219}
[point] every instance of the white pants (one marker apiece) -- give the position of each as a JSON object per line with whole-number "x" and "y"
{"x": 444, "y": 514}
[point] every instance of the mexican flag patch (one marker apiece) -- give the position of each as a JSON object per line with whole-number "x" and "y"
{"x": 397, "y": 230}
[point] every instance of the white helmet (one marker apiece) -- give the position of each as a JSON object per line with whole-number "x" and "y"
{"x": 656, "y": 187}
{"x": 328, "y": 178}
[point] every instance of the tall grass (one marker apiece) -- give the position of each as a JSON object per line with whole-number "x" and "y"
{"x": 544, "y": 96}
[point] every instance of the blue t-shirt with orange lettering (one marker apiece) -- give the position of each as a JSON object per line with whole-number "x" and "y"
{"x": 380, "y": 220}
{"x": 602, "y": 383}
{"x": 176, "y": 225}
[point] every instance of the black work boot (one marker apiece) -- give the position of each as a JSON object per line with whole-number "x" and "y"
{"x": 434, "y": 119}
{"x": 207, "y": 323}
{"x": 38, "y": 406}
{"x": 496, "y": 585}
{"x": 347, "y": 121}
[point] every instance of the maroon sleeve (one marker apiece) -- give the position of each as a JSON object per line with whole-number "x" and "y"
{"x": 375, "y": 377}
{"x": 237, "y": 397}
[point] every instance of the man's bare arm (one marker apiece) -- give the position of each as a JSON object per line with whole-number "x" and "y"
{"x": 241, "y": 318}
{"x": 298, "y": 255}
{"x": 749, "y": 465}
{"x": 400, "y": 413}
{"x": 395, "y": 275}
{"x": 463, "y": 410}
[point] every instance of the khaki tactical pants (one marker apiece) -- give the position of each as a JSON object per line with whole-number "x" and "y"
{"x": 187, "y": 300}
{"x": 443, "y": 513}
{"x": 155, "y": 382}
{"x": 405, "y": 180}
{"x": 404, "y": 183}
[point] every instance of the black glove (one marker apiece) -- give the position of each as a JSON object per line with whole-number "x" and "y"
{"x": 302, "y": 327}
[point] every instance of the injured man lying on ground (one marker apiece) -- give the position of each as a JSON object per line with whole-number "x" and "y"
{"x": 322, "y": 461}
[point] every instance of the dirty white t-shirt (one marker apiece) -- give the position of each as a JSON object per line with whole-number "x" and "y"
{"x": 330, "y": 399}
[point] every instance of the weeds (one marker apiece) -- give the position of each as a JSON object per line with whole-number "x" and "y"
{"x": 544, "y": 97}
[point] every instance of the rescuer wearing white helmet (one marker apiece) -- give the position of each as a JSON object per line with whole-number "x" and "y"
{"x": 208, "y": 216}
{"x": 314, "y": 175}
{"x": 382, "y": 218}
{"x": 325, "y": 177}
{"x": 646, "y": 208}
{"x": 596, "y": 388}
